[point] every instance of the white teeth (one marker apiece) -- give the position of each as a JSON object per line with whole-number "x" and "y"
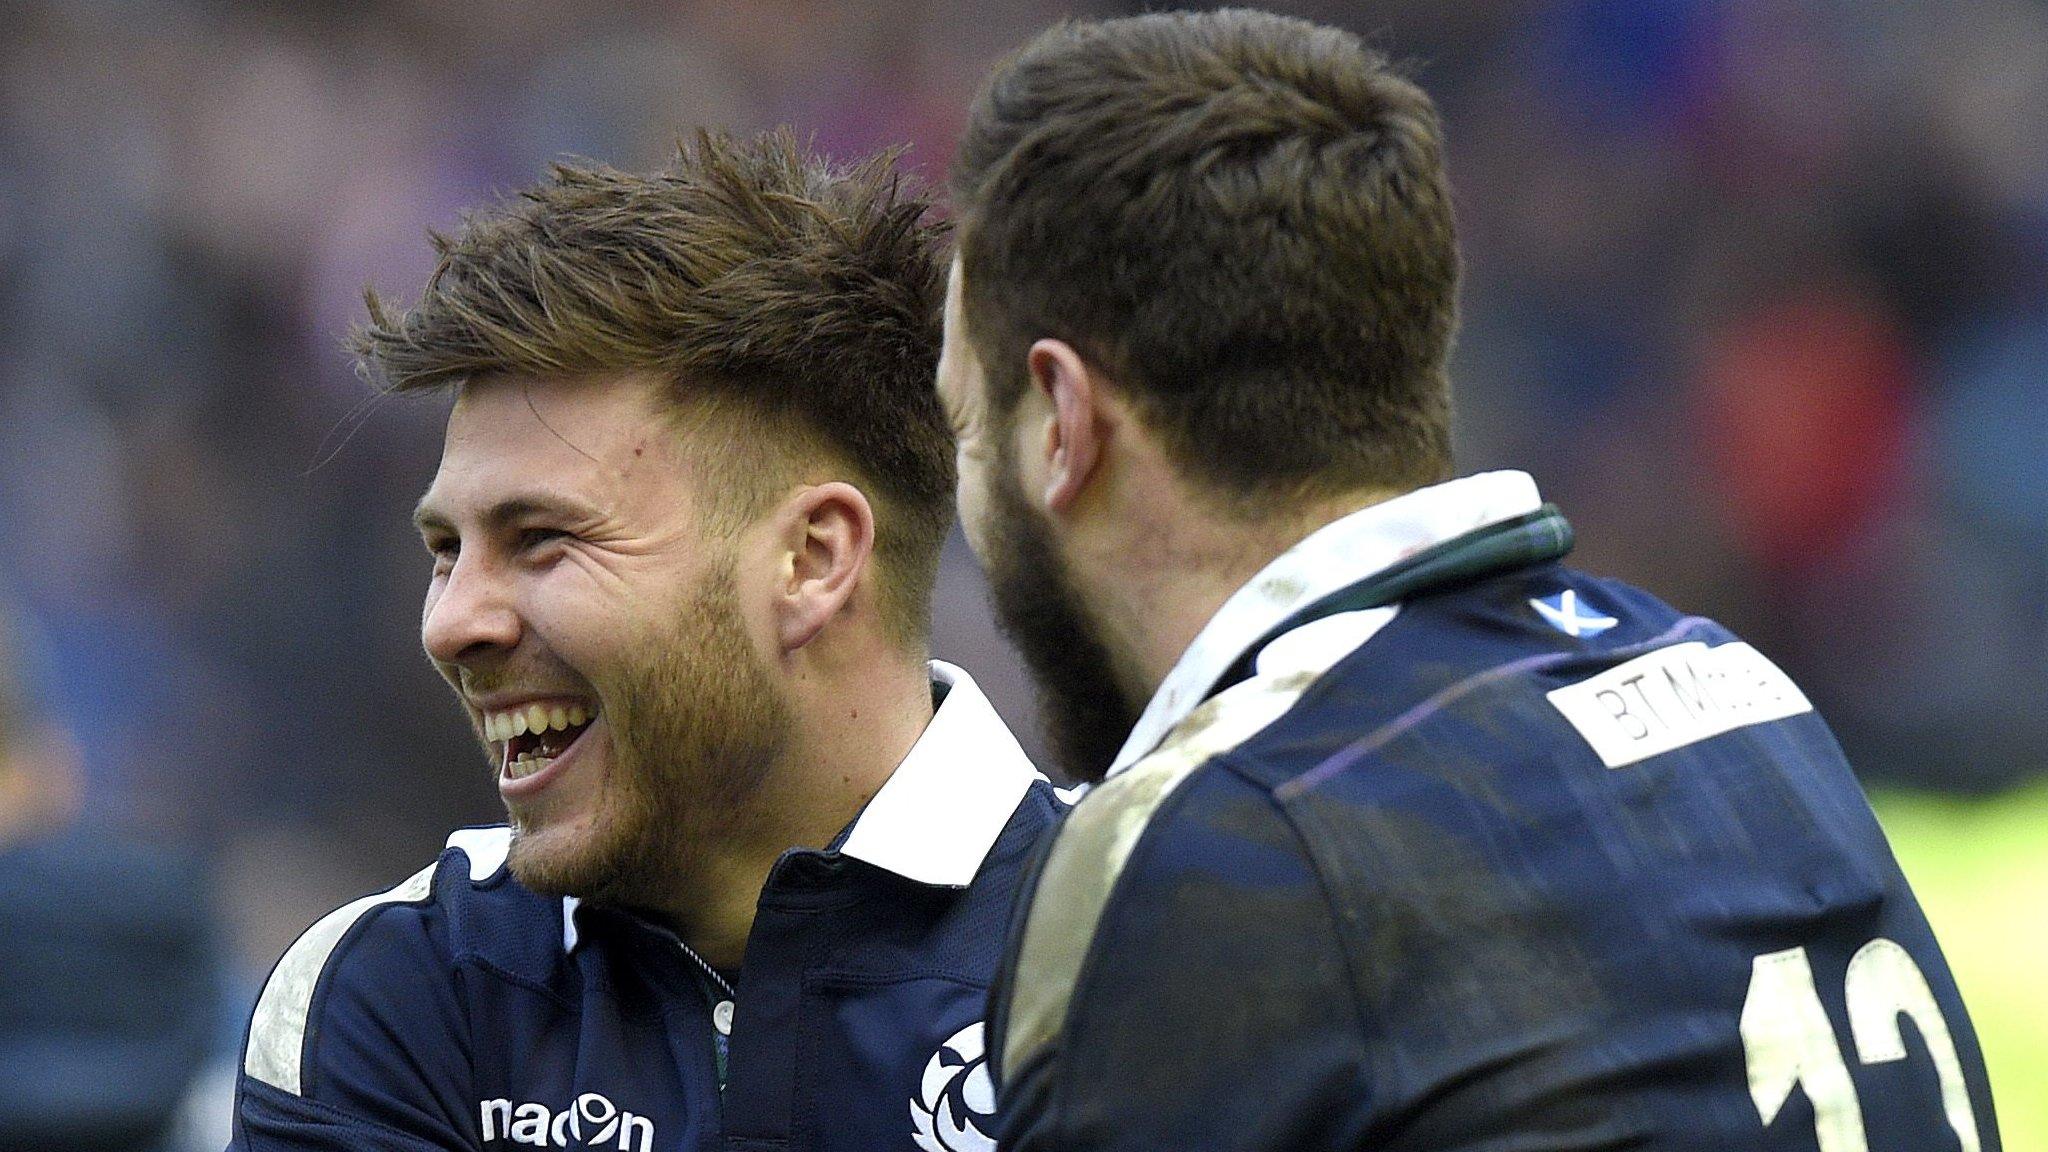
{"x": 536, "y": 718}
{"x": 526, "y": 766}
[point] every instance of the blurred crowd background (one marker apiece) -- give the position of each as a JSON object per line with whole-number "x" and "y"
{"x": 1758, "y": 289}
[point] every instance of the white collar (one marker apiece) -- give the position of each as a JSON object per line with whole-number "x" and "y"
{"x": 940, "y": 812}
{"x": 942, "y": 809}
{"x": 1335, "y": 556}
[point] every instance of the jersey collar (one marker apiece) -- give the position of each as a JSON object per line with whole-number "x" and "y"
{"x": 938, "y": 815}
{"x": 1334, "y": 556}
{"x": 940, "y": 812}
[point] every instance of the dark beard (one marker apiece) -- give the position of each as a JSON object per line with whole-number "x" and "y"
{"x": 695, "y": 730}
{"x": 1085, "y": 713}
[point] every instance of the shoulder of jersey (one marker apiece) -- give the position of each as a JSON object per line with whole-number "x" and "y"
{"x": 466, "y": 893}
{"x": 1094, "y": 844}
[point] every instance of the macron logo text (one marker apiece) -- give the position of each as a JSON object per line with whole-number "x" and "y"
{"x": 591, "y": 1122}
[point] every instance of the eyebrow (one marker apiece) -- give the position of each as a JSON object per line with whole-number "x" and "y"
{"x": 506, "y": 511}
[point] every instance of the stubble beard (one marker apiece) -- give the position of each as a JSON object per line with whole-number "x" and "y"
{"x": 695, "y": 729}
{"x": 1084, "y": 712}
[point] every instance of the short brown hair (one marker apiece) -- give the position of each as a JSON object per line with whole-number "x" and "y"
{"x": 1243, "y": 219}
{"x": 772, "y": 290}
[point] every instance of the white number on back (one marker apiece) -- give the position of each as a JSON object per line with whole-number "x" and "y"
{"x": 1787, "y": 1040}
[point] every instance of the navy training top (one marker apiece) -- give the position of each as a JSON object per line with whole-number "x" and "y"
{"x": 1527, "y": 860}
{"x": 460, "y": 1010}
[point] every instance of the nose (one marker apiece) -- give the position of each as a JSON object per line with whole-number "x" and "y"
{"x": 469, "y": 615}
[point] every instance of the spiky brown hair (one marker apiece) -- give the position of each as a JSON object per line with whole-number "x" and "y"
{"x": 768, "y": 287}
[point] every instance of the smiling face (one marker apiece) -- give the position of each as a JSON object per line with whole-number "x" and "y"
{"x": 592, "y": 623}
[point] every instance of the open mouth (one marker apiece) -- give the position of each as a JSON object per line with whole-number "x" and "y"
{"x": 532, "y": 736}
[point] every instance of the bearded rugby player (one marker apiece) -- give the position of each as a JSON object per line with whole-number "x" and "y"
{"x": 683, "y": 539}
{"x": 1411, "y": 837}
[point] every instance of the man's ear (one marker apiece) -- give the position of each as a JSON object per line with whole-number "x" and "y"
{"x": 828, "y": 546}
{"x": 1080, "y": 423}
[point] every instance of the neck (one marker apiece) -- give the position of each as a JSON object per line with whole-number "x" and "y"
{"x": 852, "y": 723}
{"x": 1157, "y": 587}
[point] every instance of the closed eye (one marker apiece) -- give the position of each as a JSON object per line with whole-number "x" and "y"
{"x": 532, "y": 538}
{"x": 444, "y": 550}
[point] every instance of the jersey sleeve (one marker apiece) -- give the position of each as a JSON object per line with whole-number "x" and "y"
{"x": 360, "y": 1039}
{"x": 1213, "y": 1007}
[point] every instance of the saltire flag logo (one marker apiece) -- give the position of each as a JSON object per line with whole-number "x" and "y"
{"x": 1564, "y": 613}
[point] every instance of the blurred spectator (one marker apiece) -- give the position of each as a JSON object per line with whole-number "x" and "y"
{"x": 108, "y": 985}
{"x": 1803, "y": 404}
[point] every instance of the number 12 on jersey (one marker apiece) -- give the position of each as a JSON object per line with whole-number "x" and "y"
{"x": 1787, "y": 1040}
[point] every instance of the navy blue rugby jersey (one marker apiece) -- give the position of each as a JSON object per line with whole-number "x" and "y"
{"x": 1431, "y": 843}
{"x": 462, "y": 1011}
